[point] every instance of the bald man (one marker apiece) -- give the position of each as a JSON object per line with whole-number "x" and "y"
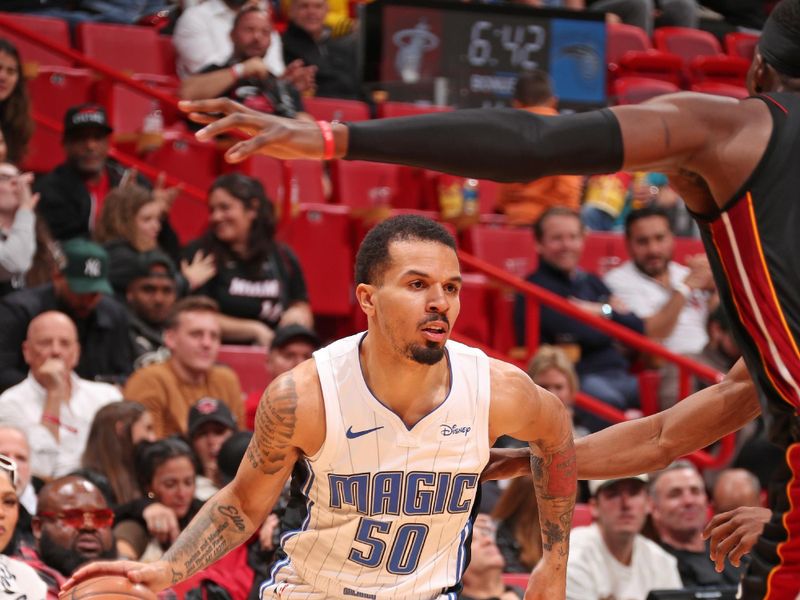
{"x": 53, "y": 404}
{"x": 72, "y": 526}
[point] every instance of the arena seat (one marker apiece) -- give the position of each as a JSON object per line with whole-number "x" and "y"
{"x": 364, "y": 185}
{"x": 408, "y": 109}
{"x": 269, "y": 171}
{"x": 476, "y": 309}
{"x": 634, "y": 90}
{"x": 582, "y": 515}
{"x": 308, "y": 175}
{"x": 336, "y": 109}
{"x": 629, "y": 52}
{"x": 127, "y": 108}
{"x": 509, "y": 248}
{"x": 45, "y": 152}
{"x": 741, "y": 44}
{"x": 686, "y": 42}
{"x": 55, "y": 30}
{"x": 685, "y": 247}
{"x": 127, "y": 48}
{"x": 719, "y": 68}
{"x": 603, "y": 251}
{"x": 321, "y": 237}
{"x": 248, "y": 363}
{"x": 622, "y": 38}
{"x": 720, "y": 89}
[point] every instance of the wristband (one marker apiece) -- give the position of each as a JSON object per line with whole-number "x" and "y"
{"x": 237, "y": 71}
{"x": 683, "y": 289}
{"x": 327, "y": 139}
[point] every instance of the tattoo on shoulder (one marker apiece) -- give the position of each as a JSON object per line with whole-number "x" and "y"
{"x": 276, "y": 420}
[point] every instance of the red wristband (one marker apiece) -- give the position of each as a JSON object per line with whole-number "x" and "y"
{"x": 327, "y": 139}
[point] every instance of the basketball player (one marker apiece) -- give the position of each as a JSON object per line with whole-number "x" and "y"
{"x": 394, "y": 427}
{"x": 737, "y": 166}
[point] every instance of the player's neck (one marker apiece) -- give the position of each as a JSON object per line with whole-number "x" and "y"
{"x": 410, "y": 389}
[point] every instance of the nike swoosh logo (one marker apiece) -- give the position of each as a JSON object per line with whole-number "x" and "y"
{"x": 351, "y": 435}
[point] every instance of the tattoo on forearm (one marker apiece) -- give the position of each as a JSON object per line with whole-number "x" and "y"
{"x": 214, "y": 531}
{"x": 553, "y": 534}
{"x": 276, "y": 420}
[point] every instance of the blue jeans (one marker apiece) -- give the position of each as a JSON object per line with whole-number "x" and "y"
{"x": 616, "y": 388}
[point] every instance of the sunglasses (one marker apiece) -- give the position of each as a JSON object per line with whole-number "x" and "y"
{"x": 9, "y": 466}
{"x": 76, "y": 517}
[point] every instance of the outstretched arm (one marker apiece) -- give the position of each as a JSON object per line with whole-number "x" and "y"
{"x": 526, "y": 412}
{"x": 232, "y": 515}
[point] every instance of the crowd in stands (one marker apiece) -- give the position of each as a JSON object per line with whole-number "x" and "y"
{"x": 118, "y": 417}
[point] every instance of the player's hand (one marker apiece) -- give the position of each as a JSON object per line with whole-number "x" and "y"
{"x": 507, "y": 463}
{"x": 546, "y": 583}
{"x": 733, "y": 533}
{"x": 274, "y": 136}
{"x": 156, "y": 575}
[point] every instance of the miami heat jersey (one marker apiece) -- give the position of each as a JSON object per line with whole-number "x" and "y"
{"x": 388, "y": 506}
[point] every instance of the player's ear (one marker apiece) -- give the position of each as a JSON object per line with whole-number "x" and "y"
{"x": 365, "y": 298}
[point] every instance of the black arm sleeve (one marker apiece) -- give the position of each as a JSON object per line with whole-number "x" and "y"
{"x": 500, "y": 144}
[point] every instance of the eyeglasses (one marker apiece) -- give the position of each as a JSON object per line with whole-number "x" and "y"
{"x": 76, "y": 517}
{"x": 9, "y": 466}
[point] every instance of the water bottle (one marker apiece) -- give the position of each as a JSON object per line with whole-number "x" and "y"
{"x": 470, "y": 193}
{"x": 152, "y": 129}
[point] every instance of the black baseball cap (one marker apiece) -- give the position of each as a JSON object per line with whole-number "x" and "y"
{"x": 209, "y": 410}
{"x": 289, "y": 333}
{"x": 85, "y": 116}
{"x": 231, "y": 454}
{"x": 143, "y": 267}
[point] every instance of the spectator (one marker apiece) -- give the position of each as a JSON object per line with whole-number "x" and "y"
{"x": 202, "y": 37}
{"x": 259, "y": 283}
{"x": 73, "y": 193}
{"x": 17, "y": 227}
{"x": 680, "y": 512}
{"x": 551, "y": 369}
{"x": 291, "y": 345}
{"x": 167, "y": 471}
{"x": 605, "y": 199}
{"x": 130, "y": 225}
{"x": 518, "y": 532}
{"x": 671, "y": 299}
{"x": 151, "y": 293}
{"x": 210, "y": 424}
{"x": 14, "y": 444}
{"x": 16, "y": 122}
{"x": 53, "y": 404}
{"x": 79, "y": 289}
{"x": 523, "y": 203}
{"x": 307, "y": 38}
{"x": 735, "y": 488}
{"x": 484, "y": 575}
{"x": 170, "y": 389}
{"x": 18, "y": 581}
{"x": 120, "y": 11}
{"x": 243, "y": 76}
{"x": 602, "y": 369}
{"x": 108, "y": 459}
{"x": 72, "y": 526}
{"x": 610, "y": 558}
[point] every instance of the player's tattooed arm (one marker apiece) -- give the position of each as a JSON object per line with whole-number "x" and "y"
{"x": 275, "y": 423}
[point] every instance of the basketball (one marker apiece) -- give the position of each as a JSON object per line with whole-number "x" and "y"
{"x": 110, "y": 587}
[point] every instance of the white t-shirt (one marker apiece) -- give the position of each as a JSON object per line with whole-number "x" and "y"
{"x": 594, "y": 574}
{"x": 645, "y": 297}
{"x": 23, "y": 404}
{"x": 18, "y": 581}
{"x": 203, "y": 37}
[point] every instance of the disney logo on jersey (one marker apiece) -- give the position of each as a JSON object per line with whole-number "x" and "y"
{"x": 448, "y": 430}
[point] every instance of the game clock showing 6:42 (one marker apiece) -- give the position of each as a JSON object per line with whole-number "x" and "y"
{"x": 478, "y": 50}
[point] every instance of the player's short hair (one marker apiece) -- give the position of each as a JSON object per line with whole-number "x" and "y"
{"x": 373, "y": 254}
{"x": 644, "y": 213}
{"x": 533, "y": 88}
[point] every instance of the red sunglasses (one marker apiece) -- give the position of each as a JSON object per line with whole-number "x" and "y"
{"x": 76, "y": 517}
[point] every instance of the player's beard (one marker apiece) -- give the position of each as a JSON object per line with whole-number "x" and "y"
{"x": 426, "y": 355}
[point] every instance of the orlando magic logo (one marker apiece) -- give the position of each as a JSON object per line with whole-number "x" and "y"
{"x": 587, "y": 58}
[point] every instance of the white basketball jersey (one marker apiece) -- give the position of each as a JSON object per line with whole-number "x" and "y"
{"x": 388, "y": 506}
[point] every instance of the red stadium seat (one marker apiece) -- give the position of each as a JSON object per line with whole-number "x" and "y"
{"x": 364, "y": 185}
{"x": 602, "y": 251}
{"x": 248, "y": 362}
{"x": 167, "y": 52}
{"x": 126, "y": 48}
{"x": 519, "y": 580}
{"x": 652, "y": 64}
{"x": 407, "y": 109}
{"x": 269, "y": 171}
{"x": 336, "y": 109}
{"x": 45, "y": 152}
{"x": 621, "y": 39}
{"x": 509, "y": 248}
{"x": 321, "y": 238}
{"x": 55, "y": 89}
{"x": 741, "y": 44}
{"x": 55, "y": 30}
{"x": 721, "y": 69}
{"x": 720, "y": 89}
{"x": 685, "y": 246}
{"x": 476, "y": 320}
{"x": 686, "y": 42}
{"x": 308, "y": 175}
{"x": 127, "y": 108}
{"x": 633, "y": 90}
{"x": 582, "y": 515}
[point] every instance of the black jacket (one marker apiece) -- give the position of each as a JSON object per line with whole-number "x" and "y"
{"x": 105, "y": 345}
{"x": 66, "y": 204}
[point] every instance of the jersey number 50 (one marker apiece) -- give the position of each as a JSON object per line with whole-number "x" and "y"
{"x": 403, "y": 557}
